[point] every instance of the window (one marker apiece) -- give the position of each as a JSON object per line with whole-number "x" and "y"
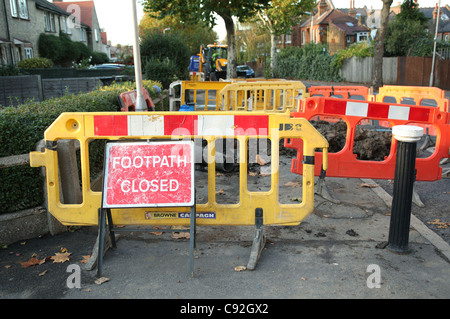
{"x": 23, "y": 10}
{"x": 96, "y": 35}
{"x": 13, "y": 8}
{"x": 3, "y": 56}
{"x": 303, "y": 37}
{"x": 83, "y": 34}
{"x": 46, "y": 21}
{"x": 288, "y": 38}
{"x": 28, "y": 53}
{"x": 64, "y": 24}
{"x": 52, "y": 22}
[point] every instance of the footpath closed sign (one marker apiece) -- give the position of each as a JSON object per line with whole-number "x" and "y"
{"x": 148, "y": 174}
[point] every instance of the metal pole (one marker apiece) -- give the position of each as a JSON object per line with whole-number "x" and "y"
{"x": 407, "y": 137}
{"x": 141, "y": 105}
{"x": 434, "y": 46}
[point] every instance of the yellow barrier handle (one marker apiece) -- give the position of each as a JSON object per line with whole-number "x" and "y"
{"x": 325, "y": 158}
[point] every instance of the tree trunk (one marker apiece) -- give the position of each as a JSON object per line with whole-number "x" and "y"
{"x": 231, "y": 42}
{"x": 273, "y": 55}
{"x": 377, "y": 77}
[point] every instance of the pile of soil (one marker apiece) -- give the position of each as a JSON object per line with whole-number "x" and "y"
{"x": 369, "y": 144}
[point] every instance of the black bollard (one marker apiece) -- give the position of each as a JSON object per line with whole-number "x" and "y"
{"x": 407, "y": 137}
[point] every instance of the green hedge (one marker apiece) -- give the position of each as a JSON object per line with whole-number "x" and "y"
{"x": 23, "y": 126}
{"x": 310, "y": 62}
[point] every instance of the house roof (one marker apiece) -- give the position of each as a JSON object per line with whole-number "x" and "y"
{"x": 444, "y": 22}
{"x": 48, "y": 6}
{"x": 86, "y": 10}
{"x": 349, "y": 25}
{"x": 104, "y": 37}
{"x": 325, "y": 18}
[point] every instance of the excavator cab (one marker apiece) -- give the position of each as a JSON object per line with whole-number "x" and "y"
{"x": 213, "y": 61}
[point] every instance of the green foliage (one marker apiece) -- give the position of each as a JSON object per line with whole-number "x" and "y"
{"x": 21, "y": 188}
{"x": 360, "y": 50}
{"x": 282, "y": 15}
{"x": 407, "y": 34}
{"x": 64, "y": 52}
{"x": 99, "y": 58}
{"x": 49, "y": 46}
{"x": 165, "y": 57}
{"x": 192, "y": 34}
{"x": 9, "y": 70}
{"x": 23, "y": 126}
{"x": 310, "y": 62}
{"x": 164, "y": 71}
{"x": 197, "y": 11}
{"x": 36, "y": 63}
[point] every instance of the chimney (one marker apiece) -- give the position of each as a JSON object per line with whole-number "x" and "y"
{"x": 352, "y": 11}
{"x": 323, "y": 7}
{"x": 435, "y": 13}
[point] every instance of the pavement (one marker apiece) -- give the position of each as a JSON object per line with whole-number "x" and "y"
{"x": 338, "y": 251}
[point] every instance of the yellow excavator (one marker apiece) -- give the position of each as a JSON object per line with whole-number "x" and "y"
{"x": 213, "y": 61}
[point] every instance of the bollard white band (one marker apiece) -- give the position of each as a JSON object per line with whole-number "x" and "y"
{"x": 407, "y": 133}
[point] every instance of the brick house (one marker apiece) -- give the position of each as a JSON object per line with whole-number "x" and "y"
{"x": 21, "y": 23}
{"x": 444, "y": 21}
{"x": 333, "y": 27}
{"x": 84, "y": 13}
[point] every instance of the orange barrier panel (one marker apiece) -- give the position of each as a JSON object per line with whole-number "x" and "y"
{"x": 128, "y": 100}
{"x": 345, "y": 91}
{"x": 418, "y": 93}
{"x": 345, "y": 164}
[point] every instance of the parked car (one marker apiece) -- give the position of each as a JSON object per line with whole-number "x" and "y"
{"x": 107, "y": 66}
{"x": 245, "y": 71}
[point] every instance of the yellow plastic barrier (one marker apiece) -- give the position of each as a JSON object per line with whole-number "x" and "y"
{"x": 205, "y": 94}
{"x": 268, "y": 96}
{"x": 418, "y": 93}
{"x": 209, "y": 126}
{"x": 207, "y": 97}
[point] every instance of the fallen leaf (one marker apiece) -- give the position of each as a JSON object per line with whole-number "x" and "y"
{"x": 101, "y": 280}
{"x": 303, "y": 278}
{"x": 297, "y": 199}
{"x": 85, "y": 259}
{"x": 220, "y": 191}
{"x": 260, "y": 161}
{"x": 183, "y": 235}
{"x": 23, "y": 243}
{"x": 439, "y": 224}
{"x": 32, "y": 262}
{"x": 253, "y": 173}
{"x": 64, "y": 250}
{"x": 368, "y": 185}
{"x": 240, "y": 268}
{"x": 7, "y": 266}
{"x": 43, "y": 273}
{"x": 157, "y": 233}
{"x": 292, "y": 184}
{"x": 60, "y": 257}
